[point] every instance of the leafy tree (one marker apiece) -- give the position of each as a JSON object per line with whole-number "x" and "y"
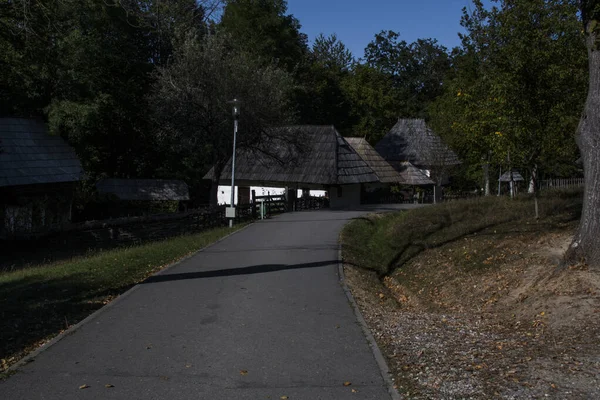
{"x": 585, "y": 243}
{"x": 263, "y": 29}
{"x": 417, "y": 70}
{"x": 374, "y": 102}
{"x": 331, "y": 53}
{"x": 517, "y": 82}
{"x": 319, "y": 92}
{"x": 27, "y": 56}
{"x": 87, "y": 67}
{"x": 190, "y": 99}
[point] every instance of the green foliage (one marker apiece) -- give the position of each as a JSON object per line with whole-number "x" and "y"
{"x": 417, "y": 70}
{"x": 331, "y": 53}
{"x": 385, "y": 242}
{"x": 263, "y": 29}
{"x": 374, "y": 102}
{"x": 191, "y": 99}
{"x": 517, "y": 86}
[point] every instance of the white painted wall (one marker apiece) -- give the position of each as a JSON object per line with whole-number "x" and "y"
{"x": 224, "y": 193}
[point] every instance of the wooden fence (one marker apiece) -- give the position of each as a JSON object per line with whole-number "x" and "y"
{"x": 79, "y": 238}
{"x": 561, "y": 183}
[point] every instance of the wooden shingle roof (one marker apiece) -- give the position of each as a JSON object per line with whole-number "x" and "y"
{"x": 385, "y": 172}
{"x": 144, "y": 189}
{"x": 325, "y": 159}
{"x": 29, "y": 155}
{"x": 516, "y": 176}
{"x": 412, "y": 175}
{"x": 412, "y": 140}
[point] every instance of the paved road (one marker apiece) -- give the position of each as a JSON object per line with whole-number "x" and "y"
{"x": 266, "y": 300}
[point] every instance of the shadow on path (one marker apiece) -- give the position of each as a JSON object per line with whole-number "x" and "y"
{"x": 254, "y": 269}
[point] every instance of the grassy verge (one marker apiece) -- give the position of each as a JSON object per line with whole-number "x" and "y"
{"x": 385, "y": 242}
{"x": 39, "y": 302}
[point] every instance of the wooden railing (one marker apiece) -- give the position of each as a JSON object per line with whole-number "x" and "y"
{"x": 311, "y": 203}
{"x": 561, "y": 183}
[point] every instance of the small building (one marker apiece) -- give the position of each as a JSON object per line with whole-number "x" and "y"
{"x": 411, "y": 140}
{"x": 512, "y": 178}
{"x": 404, "y": 174}
{"x": 325, "y": 161}
{"x": 38, "y": 174}
{"x": 407, "y": 175}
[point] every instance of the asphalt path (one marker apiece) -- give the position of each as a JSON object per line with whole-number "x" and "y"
{"x": 259, "y": 315}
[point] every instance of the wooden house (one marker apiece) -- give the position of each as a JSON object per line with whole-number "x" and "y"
{"x": 38, "y": 173}
{"x": 412, "y": 141}
{"x": 405, "y": 174}
{"x": 325, "y": 161}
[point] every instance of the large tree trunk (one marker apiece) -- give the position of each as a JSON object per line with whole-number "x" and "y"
{"x": 585, "y": 246}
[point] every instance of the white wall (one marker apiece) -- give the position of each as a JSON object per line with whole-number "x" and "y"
{"x": 224, "y": 193}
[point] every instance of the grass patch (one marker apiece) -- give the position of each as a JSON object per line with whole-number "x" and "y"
{"x": 385, "y": 242}
{"x": 41, "y": 301}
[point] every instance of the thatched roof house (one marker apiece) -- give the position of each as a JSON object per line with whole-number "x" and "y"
{"x": 412, "y": 140}
{"x": 405, "y": 174}
{"x": 144, "y": 189}
{"x": 326, "y": 159}
{"x": 30, "y": 156}
{"x": 37, "y": 177}
{"x": 412, "y": 175}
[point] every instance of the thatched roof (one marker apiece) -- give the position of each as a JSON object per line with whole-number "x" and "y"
{"x": 412, "y": 140}
{"x": 29, "y": 155}
{"x": 144, "y": 189}
{"x": 516, "y": 176}
{"x": 412, "y": 175}
{"x": 324, "y": 159}
{"x": 385, "y": 172}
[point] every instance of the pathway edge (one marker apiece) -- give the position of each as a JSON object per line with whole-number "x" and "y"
{"x": 30, "y": 357}
{"x": 381, "y": 363}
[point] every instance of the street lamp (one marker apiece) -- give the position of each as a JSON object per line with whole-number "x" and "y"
{"x": 236, "y": 115}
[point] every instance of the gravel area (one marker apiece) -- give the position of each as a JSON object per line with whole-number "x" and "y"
{"x": 508, "y": 349}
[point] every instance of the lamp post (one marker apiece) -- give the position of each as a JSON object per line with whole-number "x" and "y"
{"x": 236, "y": 115}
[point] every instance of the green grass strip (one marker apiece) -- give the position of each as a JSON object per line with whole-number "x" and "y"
{"x": 38, "y": 302}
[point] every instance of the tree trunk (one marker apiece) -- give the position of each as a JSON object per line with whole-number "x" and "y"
{"x": 486, "y": 178}
{"x": 533, "y": 189}
{"x": 585, "y": 243}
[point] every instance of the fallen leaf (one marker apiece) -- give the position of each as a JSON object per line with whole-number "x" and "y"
{"x": 381, "y": 295}
{"x": 108, "y": 385}
{"x": 354, "y": 391}
{"x": 243, "y": 372}
{"x": 347, "y": 383}
{"x": 83, "y": 386}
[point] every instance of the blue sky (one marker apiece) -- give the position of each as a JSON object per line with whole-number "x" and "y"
{"x": 357, "y": 21}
